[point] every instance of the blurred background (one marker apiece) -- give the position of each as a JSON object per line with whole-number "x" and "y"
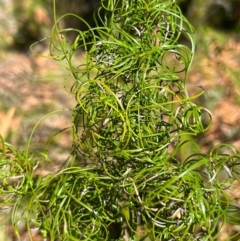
{"x": 32, "y": 86}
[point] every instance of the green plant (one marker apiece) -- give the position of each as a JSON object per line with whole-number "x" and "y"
{"x": 132, "y": 126}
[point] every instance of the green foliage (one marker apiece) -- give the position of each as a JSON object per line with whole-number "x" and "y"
{"x": 132, "y": 121}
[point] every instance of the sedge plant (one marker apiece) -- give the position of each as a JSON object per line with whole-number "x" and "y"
{"x": 136, "y": 172}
